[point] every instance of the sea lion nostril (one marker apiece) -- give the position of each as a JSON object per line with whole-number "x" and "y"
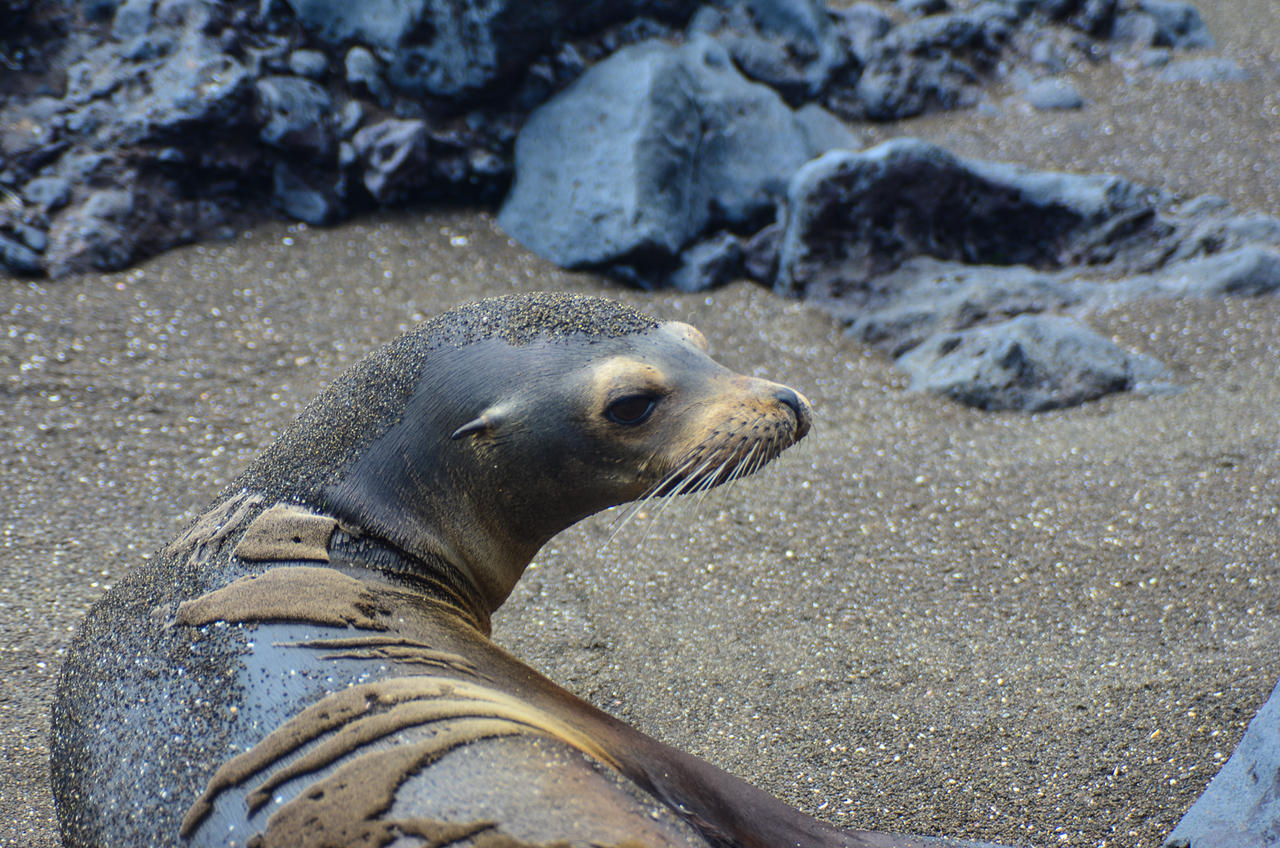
{"x": 799, "y": 407}
{"x": 788, "y": 397}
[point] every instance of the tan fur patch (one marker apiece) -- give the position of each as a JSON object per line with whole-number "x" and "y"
{"x": 287, "y": 532}
{"x": 297, "y": 593}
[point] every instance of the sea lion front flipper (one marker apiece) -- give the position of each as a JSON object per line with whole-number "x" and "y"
{"x": 724, "y": 809}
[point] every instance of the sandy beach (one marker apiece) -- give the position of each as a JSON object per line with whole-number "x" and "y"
{"x": 1036, "y": 630}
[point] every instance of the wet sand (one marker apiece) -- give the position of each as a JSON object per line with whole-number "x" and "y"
{"x": 1038, "y": 630}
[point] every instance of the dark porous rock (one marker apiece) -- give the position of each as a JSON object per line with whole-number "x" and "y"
{"x": 1094, "y": 17}
{"x": 1048, "y": 54}
{"x": 1241, "y": 807}
{"x": 28, "y": 131}
{"x": 1053, "y": 93}
{"x": 183, "y": 78}
{"x": 709, "y": 263}
{"x": 49, "y": 192}
{"x": 925, "y": 297}
{"x": 923, "y": 7}
{"x": 760, "y": 253}
{"x": 1050, "y": 9}
{"x": 195, "y": 86}
{"x": 295, "y": 198}
{"x": 1135, "y": 28}
{"x": 93, "y": 234}
{"x": 932, "y": 63}
{"x": 350, "y": 117}
{"x": 364, "y": 75}
{"x": 396, "y": 156}
{"x": 861, "y": 25}
{"x": 647, "y": 151}
{"x": 790, "y": 45}
{"x": 294, "y": 113}
{"x": 1030, "y": 363}
{"x": 311, "y": 64}
{"x": 1178, "y": 24}
{"x": 133, "y": 18}
{"x": 18, "y": 258}
{"x": 33, "y": 237}
{"x": 1208, "y": 225}
{"x": 442, "y": 49}
{"x": 1208, "y": 69}
{"x": 852, "y": 217}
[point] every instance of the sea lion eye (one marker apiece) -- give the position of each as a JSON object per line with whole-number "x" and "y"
{"x": 631, "y": 409}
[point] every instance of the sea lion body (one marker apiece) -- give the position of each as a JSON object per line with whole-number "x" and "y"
{"x": 309, "y": 664}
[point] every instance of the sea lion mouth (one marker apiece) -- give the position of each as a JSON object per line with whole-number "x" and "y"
{"x": 739, "y": 447}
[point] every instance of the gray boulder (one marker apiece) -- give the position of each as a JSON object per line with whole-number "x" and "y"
{"x": 647, "y": 151}
{"x": 790, "y": 45}
{"x": 824, "y": 131}
{"x": 1246, "y": 272}
{"x": 1241, "y": 807}
{"x": 441, "y": 48}
{"x": 931, "y": 63}
{"x": 1031, "y": 363}
{"x": 926, "y": 297}
{"x": 396, "y": 156}
{"x": 852, "y": 217}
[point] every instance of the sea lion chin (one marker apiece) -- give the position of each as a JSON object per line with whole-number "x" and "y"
{"x": 309, "y": 663}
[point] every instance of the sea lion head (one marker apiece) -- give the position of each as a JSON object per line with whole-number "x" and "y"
{"x": 475, "y": 438}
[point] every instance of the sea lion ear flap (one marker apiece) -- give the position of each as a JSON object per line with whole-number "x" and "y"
{"x": 477, "y": 425}
{"x": 489, "y": 420}
{"x": 688, "y": 333}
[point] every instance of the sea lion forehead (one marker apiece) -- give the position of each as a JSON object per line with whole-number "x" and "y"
{"x": 522, "y": 318}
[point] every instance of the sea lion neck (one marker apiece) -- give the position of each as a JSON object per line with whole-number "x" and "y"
{"x": 376, "y": 449}
{"x": 462, "y": 502}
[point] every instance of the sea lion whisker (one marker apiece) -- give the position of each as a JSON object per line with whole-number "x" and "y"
{"x": 748, "y": 465}
{"x": 685, "y": 486}
{"x": 764, "y": 455}
{"x": 695, "y": 480}
{"x": 639, "y": 504}
{"x": 709, "y": 482}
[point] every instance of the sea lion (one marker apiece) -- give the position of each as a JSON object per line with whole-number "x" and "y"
{"x": 309, "y": 663}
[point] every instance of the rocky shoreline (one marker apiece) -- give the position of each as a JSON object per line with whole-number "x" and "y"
{"x": 661, "y": 143}
{"x": 127, "y": 128}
